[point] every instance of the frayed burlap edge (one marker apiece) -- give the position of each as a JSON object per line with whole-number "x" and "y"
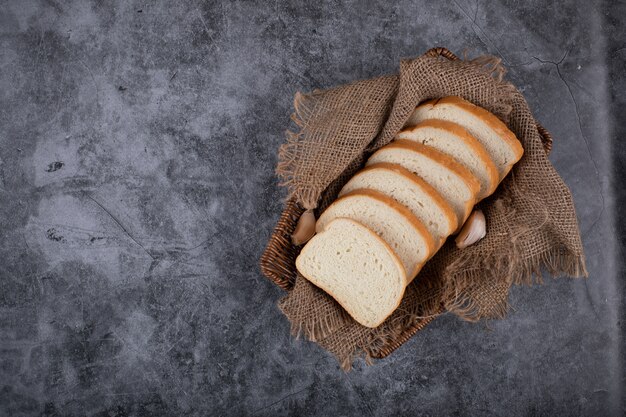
{"x": 303, "y": 106}
{"x": 458, "y": 291}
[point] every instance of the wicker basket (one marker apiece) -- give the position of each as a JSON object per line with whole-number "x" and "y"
{"x": 278, "y": 260}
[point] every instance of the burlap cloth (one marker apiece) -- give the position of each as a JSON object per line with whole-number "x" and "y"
{"x": 531, "y": 219}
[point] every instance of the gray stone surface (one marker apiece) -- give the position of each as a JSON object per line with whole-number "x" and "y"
{"x": 137, "y": 147}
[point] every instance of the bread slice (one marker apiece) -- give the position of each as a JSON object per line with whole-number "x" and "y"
{"x": 357, "y": 268}
{"x": 453, "y": 181}
{"x": 452, "y": 139}
{"x": 412, "y": 192}
{"x": 502, "y": 145}
{"x": 390, "y": 220}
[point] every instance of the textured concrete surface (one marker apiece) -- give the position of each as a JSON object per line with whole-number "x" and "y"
{"x": 137, "y": 146}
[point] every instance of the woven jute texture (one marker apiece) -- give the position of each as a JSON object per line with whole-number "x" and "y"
{"x": 531, "y": 219}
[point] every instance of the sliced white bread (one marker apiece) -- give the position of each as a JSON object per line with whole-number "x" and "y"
{"x": 412, "y": 192}
{"x": 502, "y": 145}
{"x": 453, "y": 181}
{"x": 390, "y": 220}
{"x": 454, "y": 140}
{"x": 357, "y": 268}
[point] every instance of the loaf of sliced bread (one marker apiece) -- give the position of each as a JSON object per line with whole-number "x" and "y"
{"x": 390, "y": 220}
{"x": 452, "y": 139}
{"x": 453, "y": 181}
{"x": 502, "y": 145}
{"x": 357, "y": 268}
{"x": 412, "y": 192}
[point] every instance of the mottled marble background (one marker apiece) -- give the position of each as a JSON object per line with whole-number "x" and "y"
{"x": 138, "y": 143}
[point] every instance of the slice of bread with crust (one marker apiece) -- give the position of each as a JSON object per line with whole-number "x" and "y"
{"x": 357, "y": 268}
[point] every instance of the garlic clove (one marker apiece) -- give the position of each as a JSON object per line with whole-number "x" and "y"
{"x": 474, "y": 229}
{"x": 305, "y": 229}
